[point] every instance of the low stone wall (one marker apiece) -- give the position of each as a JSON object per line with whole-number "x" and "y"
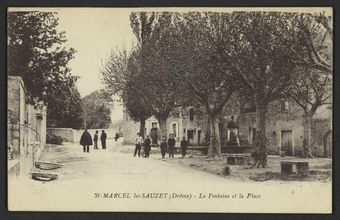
{"x": 110, "y": 133}
{"x": 67, "y": 134}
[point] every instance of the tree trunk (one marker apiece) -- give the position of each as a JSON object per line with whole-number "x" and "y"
{"x": 307, "y": 151}
{"x": 208, "y": 137}
{"x": 142, "y": 128}
{"x": 163, "y": 126}
{"x": 215, "y": 140}
{"x": 261, "y": 118}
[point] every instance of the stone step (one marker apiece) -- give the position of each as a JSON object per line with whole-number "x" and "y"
{"x": 43, "y": 176}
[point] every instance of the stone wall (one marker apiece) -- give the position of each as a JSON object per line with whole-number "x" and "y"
{"x": 277, "y": 122}
{"x": 73, "y": 136}
{"x": 16, "y": 114}
{"x": 110, "y": 133}
{"x": 26, "y": 131}
{"x": 66, "y": 134}
{"x": 319, "y": 129}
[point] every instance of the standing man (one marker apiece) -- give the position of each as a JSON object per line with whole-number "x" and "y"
{"x": 138, "y": 144}
{"x": 95, "y": 140}
{"x": 171, "y": 144}
{"x": 164, "y": 146}
{"x": 86, "y": 141}
{"x": 103, "y": 139}
{"x": 147, "y": 146}
{"x": 116, "y": 136}
{"x": 184, "y": 145}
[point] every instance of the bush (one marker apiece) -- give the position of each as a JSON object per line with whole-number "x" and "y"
{"x": 53, "y": 139}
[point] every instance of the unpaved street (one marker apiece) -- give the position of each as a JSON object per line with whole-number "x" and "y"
{"x": 114, "y": 180}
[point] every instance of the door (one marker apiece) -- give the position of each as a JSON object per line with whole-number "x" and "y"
{"x": 198, "y": 137}
{"x": 253, "y": 135}
{"x": 154, "y": 135}
{"x": 286, "y": 142}
{"x": 191, "y": 137}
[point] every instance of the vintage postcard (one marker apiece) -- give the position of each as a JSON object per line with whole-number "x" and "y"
{"x": 216, "y": 110}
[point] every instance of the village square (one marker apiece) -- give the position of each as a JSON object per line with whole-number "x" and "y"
{"x": 168, "y": 106}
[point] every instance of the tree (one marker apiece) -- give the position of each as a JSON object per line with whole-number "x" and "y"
{"x": 36, "y": 53}
{"x": 256, "y": 51}
{"x": 314, "y": 32}
{"x": 120, "y": 77}
{"x": 135, "y": 103}
{"x": 64, "y": 107}
{"x": 210, "y": 87}
{"x": 97, "y": 110}
{"x": 158, "y": 77}
{"x": 310, "y": 89}
{"x": 137, "y": 109}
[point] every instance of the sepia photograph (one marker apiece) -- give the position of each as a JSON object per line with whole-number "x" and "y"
{"x": 170, "y": 109}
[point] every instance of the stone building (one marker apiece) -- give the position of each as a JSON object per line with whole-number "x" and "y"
{"x": 26, "y": 128}
{"x": 284, "y": 126}
{"x": 182, "y": 122}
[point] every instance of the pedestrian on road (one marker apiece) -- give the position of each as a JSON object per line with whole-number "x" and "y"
{"x": 103, "y": 139}
{"x": 184, "y": 145}
{"x": 95, "y": 140}
{"x": 147, "y": 146}
{"x": 171, "y": 144}
{"x": 138, "y": 144}
{"x": 116, "y": 136}
{"x": 164, "y": 146}
{"x": 86, "y": 141}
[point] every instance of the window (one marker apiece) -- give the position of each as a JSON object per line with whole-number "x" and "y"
{"x": 191, "y": 114}
{"x": 154, "y": 124}
{"x": 284, "y": 106}
{"x": 39, "y": 116}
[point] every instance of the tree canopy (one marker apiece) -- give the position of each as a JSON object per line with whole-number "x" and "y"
{"x": 97, "y": 110}
{"x": 36, "y": 52}
{"x": 207, "y": 56}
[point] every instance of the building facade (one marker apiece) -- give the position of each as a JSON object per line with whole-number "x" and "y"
{"x": 184, "y": 122}
{"x": 26, "y": 128}
{"x": 284, "y": 127}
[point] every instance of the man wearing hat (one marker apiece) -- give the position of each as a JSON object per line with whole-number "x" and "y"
{"x": 164, "y": 146}
{"x": 171, "y": 144}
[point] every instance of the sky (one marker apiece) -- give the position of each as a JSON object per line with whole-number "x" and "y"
{"x": 94, "y": 34}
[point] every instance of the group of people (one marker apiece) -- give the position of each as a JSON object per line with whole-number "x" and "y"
{"x": 86, "y": 140}
{"x": 164, "y": 146}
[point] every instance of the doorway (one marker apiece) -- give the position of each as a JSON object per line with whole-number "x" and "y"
{"x": 154, "y": 133}
{"x": 286, "y": 142}
{"x": 198, "y": 137}
{"x": 191, "y": 137}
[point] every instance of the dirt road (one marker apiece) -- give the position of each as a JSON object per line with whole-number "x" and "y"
{"x": 114, "y": 180}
